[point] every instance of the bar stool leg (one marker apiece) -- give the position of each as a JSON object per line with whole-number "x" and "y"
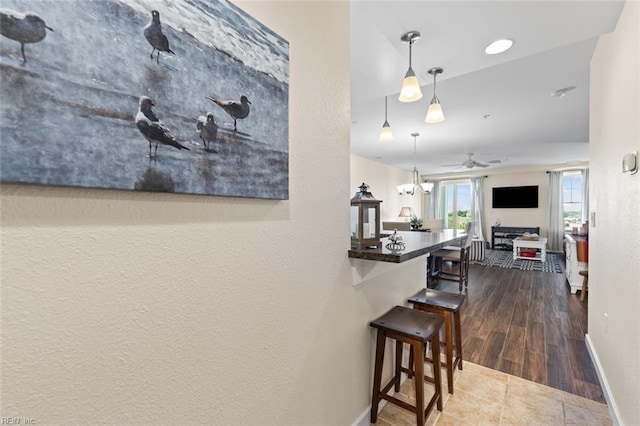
{"x": 435, "y": 343}
{"x": 398, "y": 372}
{"x": 448, "y": 322}
{"x": 411, "y": 368}
{"x": 377, "y": 375}
{"x": 456, "y": 319}
{"x": 419, "y": 382}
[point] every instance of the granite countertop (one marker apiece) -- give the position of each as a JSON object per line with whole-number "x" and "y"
{"x": 416, "y": 244}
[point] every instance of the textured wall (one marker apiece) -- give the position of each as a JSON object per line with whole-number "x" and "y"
{"x": 614, "y": 243}
{"x": 121, "y": 307}
{"x": 383, "y": 181}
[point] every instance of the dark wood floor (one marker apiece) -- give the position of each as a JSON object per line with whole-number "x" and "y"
{"x": 527, "y": 324}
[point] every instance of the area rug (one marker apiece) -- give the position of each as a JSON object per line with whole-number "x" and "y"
{"x": 504, "y": 259}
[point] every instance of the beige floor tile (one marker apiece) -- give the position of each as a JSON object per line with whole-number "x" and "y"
{"x": 484, "y": 371}
{"x": 472, "y": 409}
{"x": 580, "y": 416}
{"x": 448, "y": 420}
{"x": 522, "y": 387}
{"x": 532, "y": 409}
{"x": 480, "y": 384}
{"x": 474, "y": 403}
{"x": 382, "y": 422}
{"x": 587, "y": 404}
{"x": 396, "y": 416}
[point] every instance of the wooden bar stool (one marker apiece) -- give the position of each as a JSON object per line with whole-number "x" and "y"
{"x": 585, "y": 284}
{"x": 448, "y": 305}
{"x": 417, "y": 329}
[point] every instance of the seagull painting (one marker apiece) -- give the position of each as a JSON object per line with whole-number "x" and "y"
{"x": 235, "y": 109}
{"x": 156, "y": 38}
{"x": 207, "y": 129}
{"x": 153, "y": 129}
{"x": 22, "y": 27}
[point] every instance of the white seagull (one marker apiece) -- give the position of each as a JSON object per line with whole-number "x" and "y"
{"x": 156, "y": 38}
{"x": 234, "y": 108}
{"x": 153, "y": 129}
{"x": 207, "y": 129}
{"x": 22, "y": 27}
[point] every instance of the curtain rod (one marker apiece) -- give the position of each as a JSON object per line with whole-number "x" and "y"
{"x": 568, "y": 170}
{"x": 454, "y": 178}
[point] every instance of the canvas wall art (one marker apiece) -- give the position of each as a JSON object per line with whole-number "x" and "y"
{"x": 184, "y": 96}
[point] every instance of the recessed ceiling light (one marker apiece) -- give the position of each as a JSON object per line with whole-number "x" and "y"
{"x": 562, "y": 92}
{"x": 498, "y": 46}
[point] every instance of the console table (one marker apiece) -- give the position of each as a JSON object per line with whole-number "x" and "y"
{"x": 506, "y": 234}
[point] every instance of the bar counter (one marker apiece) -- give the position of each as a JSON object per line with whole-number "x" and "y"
{"x": 416, "y": 244}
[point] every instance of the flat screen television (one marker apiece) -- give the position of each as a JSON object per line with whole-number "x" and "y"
{"x": 515, "y": 197}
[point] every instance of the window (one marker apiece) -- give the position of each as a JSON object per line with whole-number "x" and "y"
{"x": 455, "y": 202}
{"x": 572, "y": 204}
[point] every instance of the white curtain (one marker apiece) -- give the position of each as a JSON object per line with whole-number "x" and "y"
{"x": 434, "y": 199}
{"x": 555, "y": 220}
{"x": 585, "y": 195}
{"x": 477, "y": 205}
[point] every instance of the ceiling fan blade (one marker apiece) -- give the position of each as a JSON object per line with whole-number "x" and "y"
{"x": 494, "y": 162}
{"x": 481, "y": 165}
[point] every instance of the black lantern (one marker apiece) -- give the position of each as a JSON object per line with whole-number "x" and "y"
{"x": 365, "y": 219}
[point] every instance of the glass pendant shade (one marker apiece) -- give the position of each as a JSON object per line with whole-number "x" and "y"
{"x": 434, "y": 113}
{"x": 385, "y": 133}
{"x": 427, "y": 186}
{"x": 410, "y": 91}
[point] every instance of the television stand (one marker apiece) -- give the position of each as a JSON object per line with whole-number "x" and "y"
{"x": 505, "y": 235}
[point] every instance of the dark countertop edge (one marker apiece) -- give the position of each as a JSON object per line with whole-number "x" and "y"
{"x": 401, "y": 256}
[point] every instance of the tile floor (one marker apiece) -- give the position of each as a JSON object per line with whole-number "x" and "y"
{"x": 489, "y": 397}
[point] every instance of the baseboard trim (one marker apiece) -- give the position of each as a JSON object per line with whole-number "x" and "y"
{"x": 611, "y": 403}
{"x": 363, "y": 419}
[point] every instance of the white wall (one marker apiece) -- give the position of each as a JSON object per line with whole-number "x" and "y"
{"x": 138, "y": 308}
{"x": 614, "y": 242}
{"x": 517, "y": 217}
{"x": 382, "y": 181}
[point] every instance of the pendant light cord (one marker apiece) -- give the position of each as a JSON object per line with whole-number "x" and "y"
{"x": 385, "y": 109}
{"x": 410, "y": 44}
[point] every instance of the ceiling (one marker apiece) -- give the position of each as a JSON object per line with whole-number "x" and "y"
{"x": 498, "y": 107}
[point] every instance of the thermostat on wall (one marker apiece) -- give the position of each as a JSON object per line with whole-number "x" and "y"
{"x": 630, "y": 163}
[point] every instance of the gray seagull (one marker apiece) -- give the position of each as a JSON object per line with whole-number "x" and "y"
{"x": 156, "y": 38}
{"x": 22, "y": 27}
{"x": 207, "y": 129}
{"x": 153, "y": 129}
{"x": 234, "y": 108}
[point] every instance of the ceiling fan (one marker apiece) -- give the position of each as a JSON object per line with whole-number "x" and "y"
{"x": 470, "y": 163}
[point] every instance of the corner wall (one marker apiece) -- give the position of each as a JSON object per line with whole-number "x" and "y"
{"x": 614, "y": 242}
{"x": 139, "y": 308}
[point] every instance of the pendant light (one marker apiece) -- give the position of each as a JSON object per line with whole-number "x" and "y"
{"x": 434, "y": 113}
{"x": 410, "y": 91}
{"x": 410, "y": 189}
{"x": 385, "y": 133}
